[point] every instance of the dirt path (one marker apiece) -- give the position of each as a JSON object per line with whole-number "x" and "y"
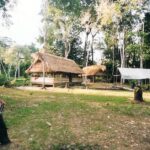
{"x": 129, "y": 94}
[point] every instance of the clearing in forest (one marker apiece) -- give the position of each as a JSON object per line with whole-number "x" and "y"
{"x": 53, "y": 120}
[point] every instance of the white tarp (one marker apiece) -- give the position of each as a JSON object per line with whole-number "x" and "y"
{"x": 134, "y": 73}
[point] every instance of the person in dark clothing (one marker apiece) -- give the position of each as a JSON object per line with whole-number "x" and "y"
{"x": 4, "y": 139}
{"x": 138, "y": 93}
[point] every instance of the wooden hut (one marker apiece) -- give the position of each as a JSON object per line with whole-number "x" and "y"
{"x": 90, "y": 72}
{"x": 48, "y": 69}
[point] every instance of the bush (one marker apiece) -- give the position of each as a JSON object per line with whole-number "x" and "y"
{"x": 20, "y": 82}
{"x": 4, "y": 81}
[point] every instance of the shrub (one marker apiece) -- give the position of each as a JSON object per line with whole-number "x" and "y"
{"x": 20, "y": 82}
{"x": 4, "y": 81}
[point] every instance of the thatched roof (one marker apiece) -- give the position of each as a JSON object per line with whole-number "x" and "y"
{"x": 93, "y": 70}
{"x": 52, "y": 64}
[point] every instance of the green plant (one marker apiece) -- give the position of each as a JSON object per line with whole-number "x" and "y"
{"x": 20, "y": 82}
{"x": 4, "y": 81}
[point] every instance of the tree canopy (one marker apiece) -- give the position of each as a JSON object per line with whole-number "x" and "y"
{"x": 124, "y": 24}
{"x": 78, "y": 29}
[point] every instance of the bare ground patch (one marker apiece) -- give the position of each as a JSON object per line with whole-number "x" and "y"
{"x": 128, "y": 94}
{"x": 111, "y": 131}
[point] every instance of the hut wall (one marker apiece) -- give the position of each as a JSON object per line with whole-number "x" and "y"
{"x": 77, "y": 80}
{"x": 61, "y": 80}
{"x": 39, "y": 80}
{"x": 49, "y": 80}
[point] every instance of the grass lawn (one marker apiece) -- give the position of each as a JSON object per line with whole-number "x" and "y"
{"x": 44, "y": 120}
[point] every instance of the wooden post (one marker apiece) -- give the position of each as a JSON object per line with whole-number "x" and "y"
{"x": 66, "y": 85}
{"x": 54, "y": 80}
{"x": 43, "y": 65}
{"x": 93, "y": 78}
{"x": 121, "y": 81}
{"x": 86, "y": 82}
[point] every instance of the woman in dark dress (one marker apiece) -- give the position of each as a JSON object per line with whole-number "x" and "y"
{"x": 4, "y": 139}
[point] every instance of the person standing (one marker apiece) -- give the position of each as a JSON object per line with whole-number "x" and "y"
{"x": 4, "y": 139}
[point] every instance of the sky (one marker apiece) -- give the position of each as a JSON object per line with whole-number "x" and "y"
{"x": 99, "y": 40}
{"x": 26, "y": 22}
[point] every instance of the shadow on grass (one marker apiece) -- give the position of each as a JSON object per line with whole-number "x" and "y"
{"x": 75, "y": 147}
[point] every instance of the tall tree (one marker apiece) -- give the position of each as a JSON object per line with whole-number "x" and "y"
{"x": 17, "y": 55}
{"x": 61, "y": 24}
{"x": 5, "y": 6}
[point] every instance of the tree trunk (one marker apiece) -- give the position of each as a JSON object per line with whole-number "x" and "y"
{"x": 113, "y": 67}
{"x": 92, "y": 43}
{"x": 2, "y": 65}
{"x": 9, "y": 71}
{"x": 122, "y": 51}
{"x": 85, "y": 49}
{"x": 142, "y": 43}
{"x": 92, "y": 52}
{"x": 0, "y": 69}
{"x": 87, "y": 58}
{"x": 67, "y": 49}
{"x": 141, "y": 61}
{"x": 18, "y": 69}
{"x": 43, "y": 67}
{"x": 138, "y": 94}
{"x": 16, "y": 72}
{"x": 122, "y": 55}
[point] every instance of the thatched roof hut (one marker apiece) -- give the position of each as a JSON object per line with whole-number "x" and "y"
{"x": 93, "y": 70}
{"x": 48, "y": 69}
{"x": 53, "y": 64}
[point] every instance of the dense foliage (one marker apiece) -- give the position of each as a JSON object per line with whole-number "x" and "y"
{"x": 14, "y": 60}
{"x": 124, "y": 24}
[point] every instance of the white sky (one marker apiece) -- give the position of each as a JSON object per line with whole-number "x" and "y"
{"x": 26, "y": 22}
{"x": 99, "y": 40}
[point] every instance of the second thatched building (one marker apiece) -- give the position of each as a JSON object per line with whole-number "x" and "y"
{"x": 90, "y": 72}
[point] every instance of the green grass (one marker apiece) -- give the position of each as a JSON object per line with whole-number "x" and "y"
{"x": 76, "y": 121}
{"x": 131, "y": 110}
{"x": 104, "y": 99}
